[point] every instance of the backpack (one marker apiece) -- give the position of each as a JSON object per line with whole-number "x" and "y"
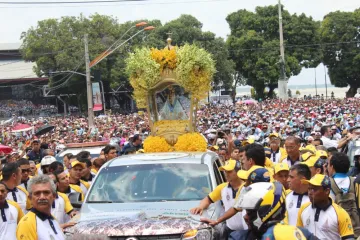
{"x": 348, "y": 202}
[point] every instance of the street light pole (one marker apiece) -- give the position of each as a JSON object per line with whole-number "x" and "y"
{"x": 315, "y": 83}
{"x": 282, "y": 83}
{"x": 88, "y": 85}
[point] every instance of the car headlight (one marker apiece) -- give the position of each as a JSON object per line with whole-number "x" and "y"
{"x": 201, "y": 234}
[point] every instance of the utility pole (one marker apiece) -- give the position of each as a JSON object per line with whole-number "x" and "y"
{"x": 315, "y": 83}
{"x": 326, "y": 96}
{"x": 282, "y": 83}
{"x": 88, "y": 85}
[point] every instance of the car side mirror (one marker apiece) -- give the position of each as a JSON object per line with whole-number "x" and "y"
{"x": 74, "y": 199}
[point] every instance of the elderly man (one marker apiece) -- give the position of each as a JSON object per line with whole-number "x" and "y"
{"x": 38, "y": 223}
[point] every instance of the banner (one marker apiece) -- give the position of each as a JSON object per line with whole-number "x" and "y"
{"x": 97, "y": 101}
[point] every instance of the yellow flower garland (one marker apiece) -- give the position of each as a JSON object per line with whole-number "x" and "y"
{"x": 156, "y": 144}
{"x": 191, "y": 142}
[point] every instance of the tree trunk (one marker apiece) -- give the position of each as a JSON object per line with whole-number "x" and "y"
{"x": 260, "y": 92}
{"x": 351, "y": 92}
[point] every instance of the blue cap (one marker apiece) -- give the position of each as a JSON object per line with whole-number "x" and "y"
{"x": 259, "y": 175}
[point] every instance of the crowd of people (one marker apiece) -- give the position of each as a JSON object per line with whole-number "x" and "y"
{"x": 286, "y": 163}
{"x": 24, "y": 108}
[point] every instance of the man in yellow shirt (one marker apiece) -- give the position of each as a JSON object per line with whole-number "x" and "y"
{"x": 38, "y": 223}
{"x": 321, "y": 216}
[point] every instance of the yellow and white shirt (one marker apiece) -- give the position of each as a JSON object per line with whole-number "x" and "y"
{"x": 11, "y": 214}
{"x": 38, "y": 226}
{"x": 75, "y": 188}
{"x": 331, "y": 222}
{"x": 293, "y": 203}
{"x": 20, "y": 196}
{"x": 84, "y": 186}
{"x": 24, "y": 184}
{"x": 228, "y": 195}
{"x": 61, "y": 207}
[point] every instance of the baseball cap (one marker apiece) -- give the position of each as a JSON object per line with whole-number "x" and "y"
{"x": 322, "y": 153}
{"x": 319, "y": 180}
{"x": 77, "y": 163}
{"x": 281, "y": 167}
{"x": 274, "y": 135}
{"x": 47, "y": 160}
{"x": 242, "y": 174}
{"x": 230, "y": 165}
{"x": 258, "y": 174}
{"x": 237, "y": 142}
{"x": 248, "y": 141}
{"x": 216, "y": 147}
{"x": 310, "y": 162}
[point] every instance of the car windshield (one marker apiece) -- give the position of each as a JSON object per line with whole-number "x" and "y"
{"x": 151, "y": 183}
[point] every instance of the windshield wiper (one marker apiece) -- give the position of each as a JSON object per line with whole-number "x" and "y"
{"x": 99, "y": 202}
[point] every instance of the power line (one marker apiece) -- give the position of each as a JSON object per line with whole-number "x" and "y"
{"x": 69, "y": 2}
{"x": 126, "y": 3}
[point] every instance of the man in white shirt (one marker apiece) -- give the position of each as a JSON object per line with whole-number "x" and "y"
{"x": 326, "y": 134}
{"x": 299, "y": 192}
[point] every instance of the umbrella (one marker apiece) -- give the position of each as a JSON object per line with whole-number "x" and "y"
{"x": 21, "y": 128}
{"x": 44, "y": 129}
{"x": 5, "y": 149}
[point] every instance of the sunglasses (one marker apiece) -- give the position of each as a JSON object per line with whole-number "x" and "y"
{"x": 25, "y": 170}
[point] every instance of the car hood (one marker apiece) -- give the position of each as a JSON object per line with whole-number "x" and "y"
{"x": 135, "y": 219}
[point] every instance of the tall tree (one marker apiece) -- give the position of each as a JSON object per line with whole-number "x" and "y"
{"x": 254, "y": 45}
{"x": 57, "y": 45}
{"x": 340, "y": 34}
{"x": 187, "y": 29}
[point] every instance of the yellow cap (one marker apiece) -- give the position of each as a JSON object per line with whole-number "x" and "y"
{"x": 319, "y": 180}
{"x": 248, "y": 141}
{"x": 307, "y": 156}
{"x": 311, "y": 148}
{"x": 268, "y": 163}
{"x": 230, "y": 165}
{"x": 322, "y": 153}
{"x": 310, "y": 162}
{"x": 281, "y": 167}
{"x": 216, "y": 147}
{"x": 274, "y": 135}
{"x": 77, "y": 163}
{"x": 242, "y": 174}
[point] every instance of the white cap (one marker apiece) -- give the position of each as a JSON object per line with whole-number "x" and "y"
{"x": 47, "y": 160}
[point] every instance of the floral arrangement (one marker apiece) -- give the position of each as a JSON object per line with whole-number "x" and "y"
{"x": 191, "y": 142}
{"x": 165, "y": 57}
{"x": 195, "y": 70}
{"x": 156, "y": 144}
{"x": 193, "y": 66}
{"x": 144, "y": 73}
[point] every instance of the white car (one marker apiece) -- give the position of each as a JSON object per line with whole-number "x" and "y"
{"x": 148, "y": 196}
{"x": 74, "y": 148}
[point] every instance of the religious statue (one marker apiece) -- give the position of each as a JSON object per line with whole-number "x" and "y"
{"x": 172, "y": 109}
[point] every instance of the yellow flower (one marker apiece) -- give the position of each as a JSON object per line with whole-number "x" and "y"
{"x": 165, "y": 57}
{"x": 156, "y": 144}
{"x": 191, "y": 142}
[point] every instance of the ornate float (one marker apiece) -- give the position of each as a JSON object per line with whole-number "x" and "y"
{"x": 170, "y": 83}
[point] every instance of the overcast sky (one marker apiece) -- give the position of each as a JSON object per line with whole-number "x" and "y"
{"x": 212, "y": 13}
